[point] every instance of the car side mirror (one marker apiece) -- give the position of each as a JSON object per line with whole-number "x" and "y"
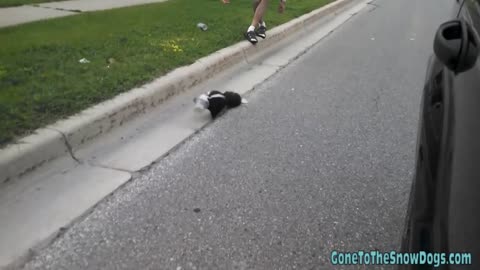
{"x": 456, "y": 46}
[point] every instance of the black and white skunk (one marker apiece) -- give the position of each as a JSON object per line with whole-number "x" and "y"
{"x": 216, "y": 102}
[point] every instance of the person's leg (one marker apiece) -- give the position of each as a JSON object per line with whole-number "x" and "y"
{"x": 260, "y": 6}
{"x": 261, "y": 30}
{"x": 255, "y": 4}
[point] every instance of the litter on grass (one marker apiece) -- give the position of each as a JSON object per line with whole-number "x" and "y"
{"x": 202, "y": 26}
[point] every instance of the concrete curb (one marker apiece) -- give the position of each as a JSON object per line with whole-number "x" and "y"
{"x": 68, "y": 135}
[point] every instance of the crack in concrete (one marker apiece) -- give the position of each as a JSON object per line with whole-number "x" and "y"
{"x": 68, "y": 145}
{"x": 98, "y": 165}
{"x": 60, "y": 9}
{"x": 375, "y": 6}
{"x": 245, "y": 57}
{"x": 87, "y": 162}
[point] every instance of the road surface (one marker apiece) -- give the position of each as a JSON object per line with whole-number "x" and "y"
{"x": 319, "y": 160}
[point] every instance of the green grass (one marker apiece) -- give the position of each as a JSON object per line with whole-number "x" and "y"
{"x": 13, "y": 3}
{"x": 41, "y": 79}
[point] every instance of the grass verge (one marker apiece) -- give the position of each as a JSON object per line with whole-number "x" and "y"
{"x": 14, "y": 3}
{"x": 41, "y": 79}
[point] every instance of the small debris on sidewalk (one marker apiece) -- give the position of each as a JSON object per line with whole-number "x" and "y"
{"x": 216, "y": 102}
{"x": 83, "y": 61}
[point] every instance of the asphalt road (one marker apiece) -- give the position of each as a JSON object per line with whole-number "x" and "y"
{"x": 320, "y": 159}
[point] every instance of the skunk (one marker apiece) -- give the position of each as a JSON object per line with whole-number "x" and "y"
{"x": 216, "y": 102}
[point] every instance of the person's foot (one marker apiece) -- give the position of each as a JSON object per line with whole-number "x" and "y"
{"x": 261, "y": 31}
{"x": 251, "y": 36}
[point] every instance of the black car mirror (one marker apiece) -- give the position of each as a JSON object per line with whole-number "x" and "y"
{"x": 456, "y": 46}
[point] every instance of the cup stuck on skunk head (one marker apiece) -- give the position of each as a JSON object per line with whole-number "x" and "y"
{"x": 217, "y": 101}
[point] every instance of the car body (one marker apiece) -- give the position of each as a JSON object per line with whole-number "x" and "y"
{"x": 443, "y": 212}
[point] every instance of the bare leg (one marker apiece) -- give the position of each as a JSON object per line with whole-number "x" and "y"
{"x": 255, "y": 5}
{"x": 260, "y": 6}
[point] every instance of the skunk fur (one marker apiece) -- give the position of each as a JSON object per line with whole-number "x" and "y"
{"x": 219, "y": 101}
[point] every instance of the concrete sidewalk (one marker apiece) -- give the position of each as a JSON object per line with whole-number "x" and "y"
{"x": 30, "y": 13}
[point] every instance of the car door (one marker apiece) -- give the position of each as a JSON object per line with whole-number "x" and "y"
{"x": 458, "y": 199}
{"x": 443, "y": 208}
